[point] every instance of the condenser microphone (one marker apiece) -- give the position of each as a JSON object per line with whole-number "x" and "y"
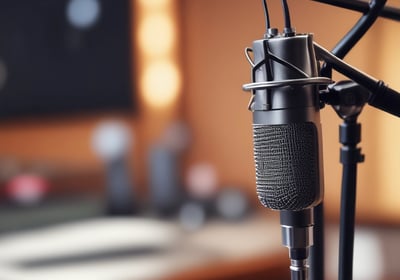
{"x": 286, "y": 122}
{"x": 287, "y": 135}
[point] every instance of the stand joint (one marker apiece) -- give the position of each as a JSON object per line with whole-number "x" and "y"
{"x": 347, "y": 98}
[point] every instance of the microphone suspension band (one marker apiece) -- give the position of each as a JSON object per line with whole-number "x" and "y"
{"x": 289, "y": 82}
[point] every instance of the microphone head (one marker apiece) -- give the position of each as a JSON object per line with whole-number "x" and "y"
{"x": 287, "y": 165}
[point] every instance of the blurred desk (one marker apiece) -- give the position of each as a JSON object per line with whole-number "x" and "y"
{"x": 138, "y": 248}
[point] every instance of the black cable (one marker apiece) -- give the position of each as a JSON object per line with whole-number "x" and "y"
{"x": 343, "y": 47}
{"x": 266, "y": 14}
{"x": 363, "y": 7}
{"x": 286, "y": 14}
{"x": 361, "y": 27}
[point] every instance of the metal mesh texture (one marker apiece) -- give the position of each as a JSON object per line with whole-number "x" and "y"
{"x": 287, "y": 168}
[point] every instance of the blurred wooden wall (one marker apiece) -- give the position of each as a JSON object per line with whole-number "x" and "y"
{"x": 212, "y": 37}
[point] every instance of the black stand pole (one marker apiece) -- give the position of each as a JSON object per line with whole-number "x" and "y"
{"x": 350, "y": 156}
{"x": 317, "y": 262}
{"x": 347, "y": 99}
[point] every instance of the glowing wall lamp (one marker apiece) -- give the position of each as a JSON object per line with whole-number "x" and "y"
{"x": 160, "y": 82}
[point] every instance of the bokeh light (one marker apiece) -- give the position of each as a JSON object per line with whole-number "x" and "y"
{"x": 157, "y": 35}
{"x": 154, "y": 3}
{"x": 161, "y": 83}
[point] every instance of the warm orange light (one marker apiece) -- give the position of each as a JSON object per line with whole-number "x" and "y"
{"x": 161, "y": 83}
{"x": 157, "y": 35}
{"x": 154, "y": 3}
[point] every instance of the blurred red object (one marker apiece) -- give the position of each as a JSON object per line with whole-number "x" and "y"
{"x": 27, "y": 189}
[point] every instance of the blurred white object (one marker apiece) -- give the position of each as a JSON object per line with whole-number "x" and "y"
{"x": 368, "y": 256}
{"x": 111, "y": 140}
{"x": 74, "y": 241}
{"x": 371, "y": 259}
{"x": 83, "y": 14}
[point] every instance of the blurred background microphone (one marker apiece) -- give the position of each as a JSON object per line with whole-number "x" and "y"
{"x": 286, "y": 131}
{"x": 111, "y": 142}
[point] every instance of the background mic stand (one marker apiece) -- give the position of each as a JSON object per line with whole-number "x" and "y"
{"x": 347, "y": 99}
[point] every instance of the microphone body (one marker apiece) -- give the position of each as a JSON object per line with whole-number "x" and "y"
{"x": 286, "y": 135}
{"x": 286, "y": 125}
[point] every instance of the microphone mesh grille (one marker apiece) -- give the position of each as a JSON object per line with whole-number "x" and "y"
{"x": 287, "y": 168}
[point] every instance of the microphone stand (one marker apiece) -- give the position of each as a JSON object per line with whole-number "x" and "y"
{"x": 348, "y": 99}
{"x": 371, "y": 12}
